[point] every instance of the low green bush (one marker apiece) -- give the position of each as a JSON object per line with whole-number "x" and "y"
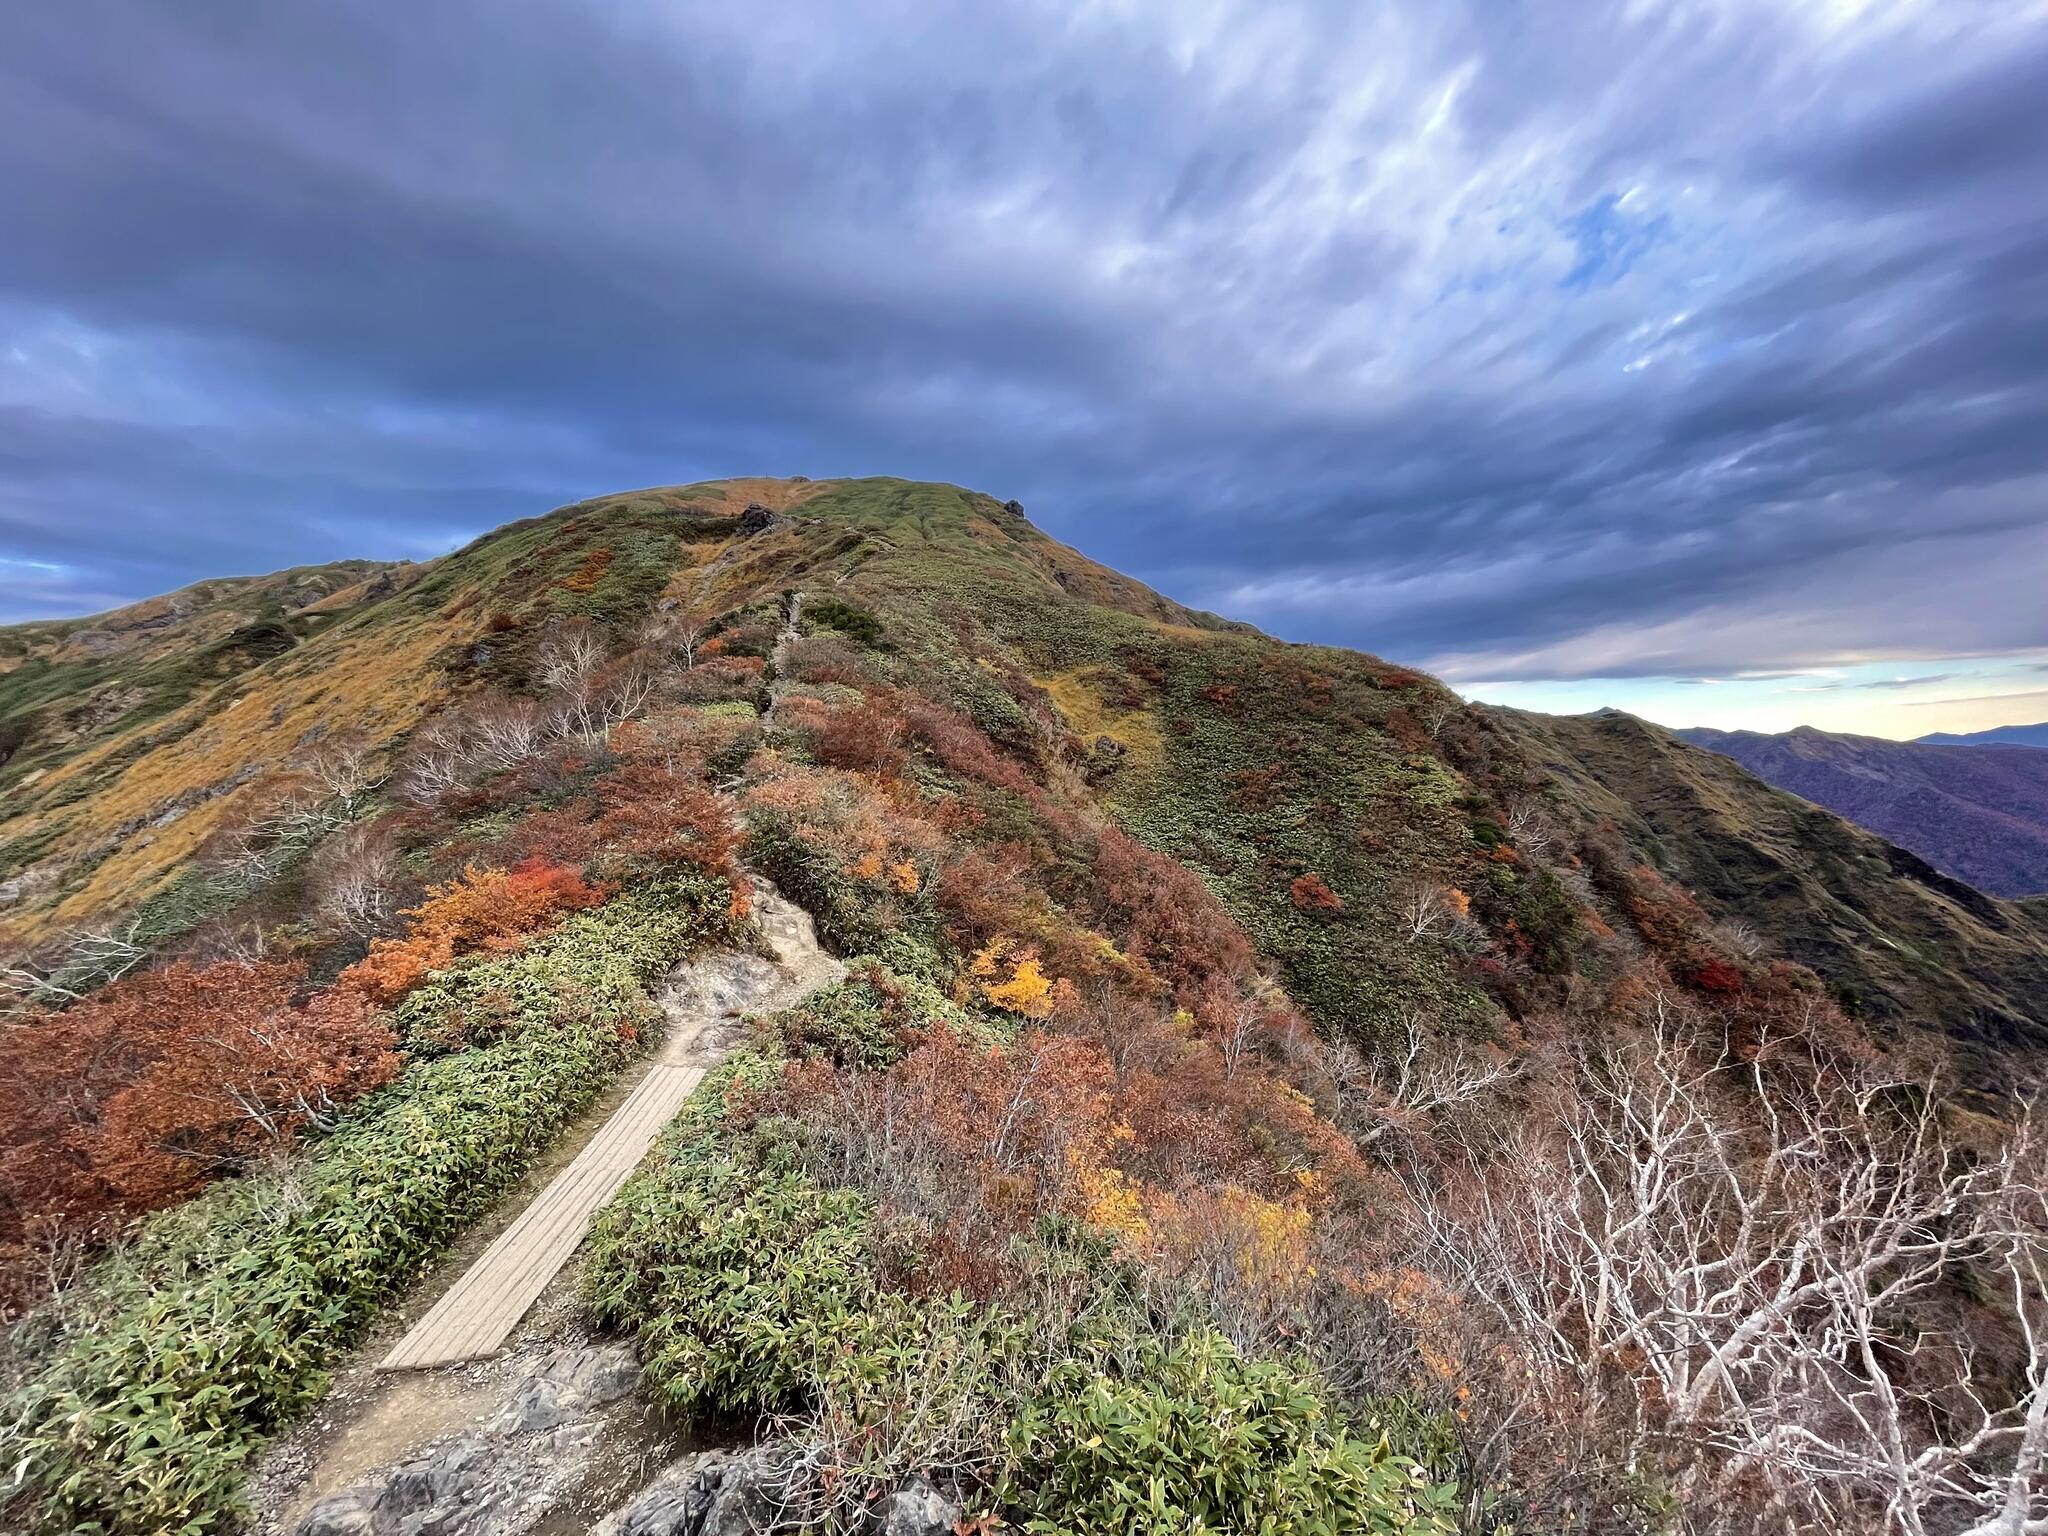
{"x": 856, "y": 623}
{"x": 218, "y": 1323}
{"x": 754, "y": 1290}
{"x": 1189, "y": 1436}
{"x": 742, "y": 1277}
{"x": 869, "y": 1020}
{"x": 600, "y": 962}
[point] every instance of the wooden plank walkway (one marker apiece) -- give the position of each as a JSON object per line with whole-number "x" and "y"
{"x": 481, "y": 1309}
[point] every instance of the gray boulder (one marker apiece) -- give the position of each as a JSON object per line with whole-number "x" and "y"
{"x": 916, "y": 1508}
{"x": 677, "y": 1502}
{"x": 341, "y": 1514}
{"x": 567, "y": 1386}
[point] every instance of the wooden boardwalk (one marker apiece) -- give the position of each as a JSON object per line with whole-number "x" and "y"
{"x": 481, "y": 1309}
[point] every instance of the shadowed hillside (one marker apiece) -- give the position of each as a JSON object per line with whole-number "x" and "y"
{"x": 1905, "y": 943}
{"x": 1977, "y": 812}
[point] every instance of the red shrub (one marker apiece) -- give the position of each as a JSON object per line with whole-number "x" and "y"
{"x": 1162, "y": 914}
{"x": 1311, "y": 895}
{"x": 653, "y": 812}
{"x": 143, "y": 1092}
{"x": 867, "y": 738}
{"x": 1717, "y": 977}
{"x": 1256, "y": 789}
{"x": 962, "y": 747}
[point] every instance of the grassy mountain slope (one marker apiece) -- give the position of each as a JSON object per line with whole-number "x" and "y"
{"x": 1256, "y": 762}
{"x": 1910, "y": 944}
{"x": 1097, "y": 861}
{"x": 67, "y": 685}
{"x": 1978, "y": 813}
{"x": 146, "y": 731}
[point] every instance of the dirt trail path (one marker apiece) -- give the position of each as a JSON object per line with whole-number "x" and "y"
{"x": 778, "y": 658}
{"x": 548, "y": 1433}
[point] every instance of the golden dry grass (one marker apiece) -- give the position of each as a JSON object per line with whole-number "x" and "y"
{"x": 378, "y": 683}
{"x": 1089, "y": 715}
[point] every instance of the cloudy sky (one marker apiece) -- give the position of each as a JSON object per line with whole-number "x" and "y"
{"x": 1688, "y": 355}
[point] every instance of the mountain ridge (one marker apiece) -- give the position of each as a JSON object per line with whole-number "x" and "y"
{"x": 1201, "y": 983}
{"x": 1979, "y": 812}
{"x": 965, "y": 572}
{"x": 1996, "y": 736}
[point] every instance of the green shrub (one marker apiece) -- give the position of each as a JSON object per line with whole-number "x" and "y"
{"x": 741, "y": 1276}
{"x": 868, "y": 1020}
{"x": 217, "y": 1325}
{"x": 1192, "y": 1437}
{"x": 600, "y": 963}
{"x": 754, "y": 1290}
{"x": 854, "y": 623}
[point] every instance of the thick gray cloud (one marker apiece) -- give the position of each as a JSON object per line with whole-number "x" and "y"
{"x": 1544, "y": 341}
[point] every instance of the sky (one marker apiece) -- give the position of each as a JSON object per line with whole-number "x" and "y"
{"x": 1685, "y": 356}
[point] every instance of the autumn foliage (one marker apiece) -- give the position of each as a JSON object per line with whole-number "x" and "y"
{"x": 1012, "y": 979}
{"x": 483, "y": 910}
{"x": 1310, "y": 894}
{"x": 133, "y": 1098}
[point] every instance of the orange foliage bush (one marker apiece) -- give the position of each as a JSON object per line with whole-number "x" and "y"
{"x": 482, "y": 909}
{"x": 1310, "y": 894}
{"x": 136, "y": 1096}
{"x": 1120, "y": 1117}
{"x": 884, "y": 833}
{"x": 590, "y": 573}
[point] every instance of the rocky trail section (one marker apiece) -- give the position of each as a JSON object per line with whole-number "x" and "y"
{"x": 550, "y": 1434}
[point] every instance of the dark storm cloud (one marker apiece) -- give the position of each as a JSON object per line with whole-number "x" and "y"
{"x": 1561, "y": 340}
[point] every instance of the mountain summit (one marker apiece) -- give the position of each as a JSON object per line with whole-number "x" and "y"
{"x": 1209, "y": 1021}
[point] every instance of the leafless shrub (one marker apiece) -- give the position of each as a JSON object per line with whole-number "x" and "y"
{"x": 590, "y": 693}
{"x": 1433, "y": 908}
{"x": 72, "y": 967}
{"x": 677, "y": 632}
{"x": 1409, "y": 1088}
{"x": 570, "y": 657}
{"x": 354, "y": 879}
{"x": 1740, "y": 938}
{"x": 503, "y": 732}
{"x": 1736, "y": 1274}
{"x": 1531, "y": 827}
{"x": 437, "y": 761}
{"x": 344, "y": 766}
{"x": 1438, "y": 711}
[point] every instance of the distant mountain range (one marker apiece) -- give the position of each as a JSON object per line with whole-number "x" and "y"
{"x": 1977, "y": 810}
{"x": 1997, "y": 736}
